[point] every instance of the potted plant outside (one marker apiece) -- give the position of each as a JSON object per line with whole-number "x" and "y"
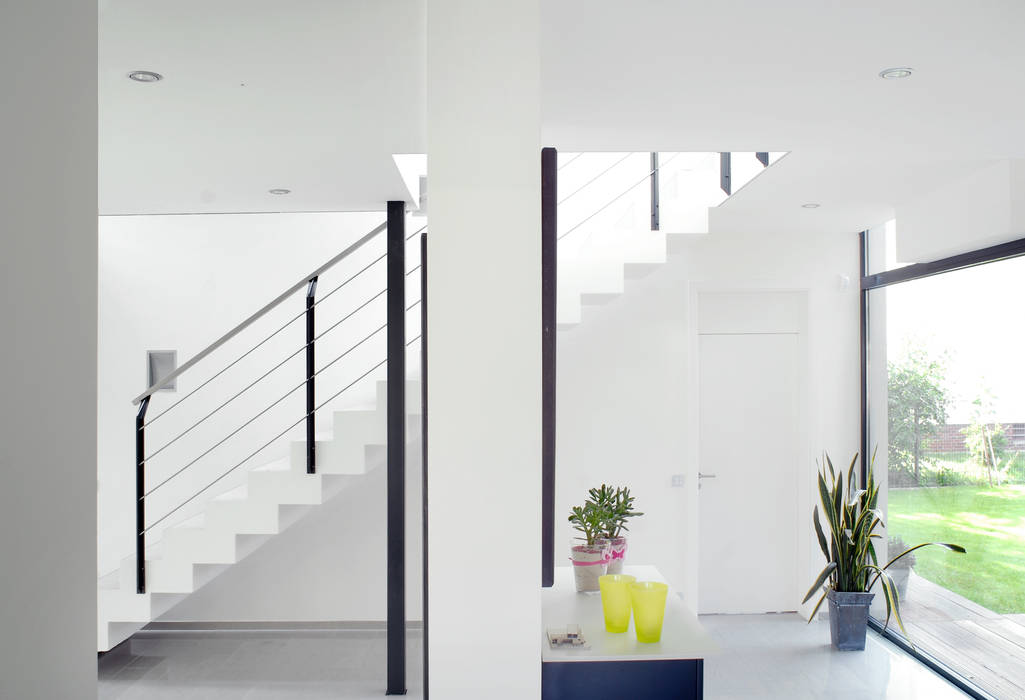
{"x": 900, "y": 570}
{"x": 617, "y": 506}
{"x": 852, "y": 567}
{"x": 590, "y": 558}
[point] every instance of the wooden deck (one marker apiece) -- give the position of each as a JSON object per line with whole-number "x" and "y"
{"x": 984, "y": 646}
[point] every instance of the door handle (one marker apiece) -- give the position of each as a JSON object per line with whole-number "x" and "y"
{"x": 705, "y": 476}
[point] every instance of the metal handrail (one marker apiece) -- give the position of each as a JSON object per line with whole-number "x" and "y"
{"x": 280, "y": 364}
{"x": 271, "y": 441}
{"x": 161, "y": 383}
{"x": 288, "y": 323}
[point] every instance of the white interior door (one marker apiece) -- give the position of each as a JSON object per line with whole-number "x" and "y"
{"x": 748, "y": 414}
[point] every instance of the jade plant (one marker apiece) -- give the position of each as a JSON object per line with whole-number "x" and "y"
{"x": 605, "y": 513}
{"x": 589, "y": 520}
{"x": 616, "y": 506}
{"x": 853, "y": 516}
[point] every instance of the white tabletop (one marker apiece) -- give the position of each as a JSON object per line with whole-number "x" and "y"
{"x": 683, "y": 637}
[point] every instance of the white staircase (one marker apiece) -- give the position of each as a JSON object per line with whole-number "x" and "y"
{"x": 598, "y": 255}
{"x": 235, "y": 523}
{"x": 595, "y": 261}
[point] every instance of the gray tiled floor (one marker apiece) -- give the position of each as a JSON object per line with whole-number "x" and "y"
{"x": 278, "y": 665}
{"x": 780, "y": 656}
{"x": 763, "y": 656}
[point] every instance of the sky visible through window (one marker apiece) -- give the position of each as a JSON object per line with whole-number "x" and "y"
{"x": 973, "y": 318}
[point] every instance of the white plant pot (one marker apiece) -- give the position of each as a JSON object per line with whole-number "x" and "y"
{"x": 589, "y": 562}
{"x": 617, "y": 553}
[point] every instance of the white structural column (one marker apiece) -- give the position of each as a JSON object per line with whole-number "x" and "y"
{"x": 484, "y": 316}
{"x": 48, "y": 350}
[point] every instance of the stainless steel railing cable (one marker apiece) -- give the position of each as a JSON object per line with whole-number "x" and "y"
{"x": 272, "y": 370}
{"x": 283, "y": 327}
{"x": 272, "y": 440}
{"x": 269, "y": 407}
{"x": 570, "y": 160}
{"x": 588, "y": 183}
{"x": 620, "y": 195}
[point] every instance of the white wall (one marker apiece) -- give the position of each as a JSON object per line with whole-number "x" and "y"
{"x": 48, "y": 353}
{"x": 983, "y": 207}
{"x": 627, "y": 388}
{"x": 180, "y": 282}
{"x": 484, "y": 365}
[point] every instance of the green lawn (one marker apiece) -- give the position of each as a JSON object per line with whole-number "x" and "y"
{"x": 988, "y": 522}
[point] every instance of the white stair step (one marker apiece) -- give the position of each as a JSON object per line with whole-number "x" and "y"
{"x": 333, "y": 457}
{"x": 200, "y": 545}
{"x": 243, "y": 515}
{"x": 286, "y": 486}
{"x": 598, "y": 299}
{"x": 639, "y": 270}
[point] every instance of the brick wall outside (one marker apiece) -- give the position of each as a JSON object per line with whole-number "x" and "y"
{"x": 949, "y": 437}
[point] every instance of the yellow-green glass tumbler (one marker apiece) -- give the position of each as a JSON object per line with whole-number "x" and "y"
{"x": 615, "y": 601}
{"x": 649, "y": 605}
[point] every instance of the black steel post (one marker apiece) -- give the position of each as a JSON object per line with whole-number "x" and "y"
{"x": 763, "y": 158}
{"x": 863, "y": 300}
{"x": 423, "y": 446}
{"x": 140, "y": 496}
{"x": 654, "y": 192}
{"x": 725, "y": 173}
{"x": 311, "y": 370}
{"x": 549, "y": 288}
{"x": 396, "y": 448}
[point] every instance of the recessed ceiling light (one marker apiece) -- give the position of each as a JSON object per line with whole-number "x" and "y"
{"x": 145, "y": 76}
{"x": 895, "y": 73}
{"x": 280, "y": 190}
{"x": 810, "y": 205}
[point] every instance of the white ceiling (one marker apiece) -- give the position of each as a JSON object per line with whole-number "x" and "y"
{"x": 798, "y": 76}
{"x": 334, "y": 87}
{"x": 308, "y": 95}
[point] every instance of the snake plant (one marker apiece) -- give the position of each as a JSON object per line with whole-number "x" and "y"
{"x": 853, "y": 516}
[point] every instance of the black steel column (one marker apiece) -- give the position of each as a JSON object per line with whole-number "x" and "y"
{"x": 726, "y": 173}
{"x": 311, "y": 370}
{"x": 423, "y": 445}
{"x": 654, "y": 191}
{"x": 549, "y": 269}
{"x": 863, "y": 297}
{"x": 140, "y": 497}
{"x": 396, "y": 448}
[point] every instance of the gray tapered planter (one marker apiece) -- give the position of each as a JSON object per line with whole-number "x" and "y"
{"x": 848, "y": 619}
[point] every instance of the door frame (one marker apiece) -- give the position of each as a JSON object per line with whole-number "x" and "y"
{"x": 804, "y": 470}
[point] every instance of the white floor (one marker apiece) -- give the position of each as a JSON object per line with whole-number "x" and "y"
{"x": 763, "y": 656}
{"x": 275, "y": 665}
{"x": 781, "y": 656}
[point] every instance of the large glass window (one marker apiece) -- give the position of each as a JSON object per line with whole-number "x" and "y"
{"x": 946, "y": 384}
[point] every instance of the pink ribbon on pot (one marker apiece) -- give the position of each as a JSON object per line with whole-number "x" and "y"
{"x": 590, "y": 563}
{"x": 619, "y": 553}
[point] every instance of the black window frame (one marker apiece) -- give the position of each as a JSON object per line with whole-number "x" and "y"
{"x": 880, "y": 280}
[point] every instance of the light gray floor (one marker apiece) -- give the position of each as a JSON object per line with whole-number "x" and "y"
{"x": 763, "y": 656}
{"x": 277, "y": 665}
{"x": 780, "y": 656}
